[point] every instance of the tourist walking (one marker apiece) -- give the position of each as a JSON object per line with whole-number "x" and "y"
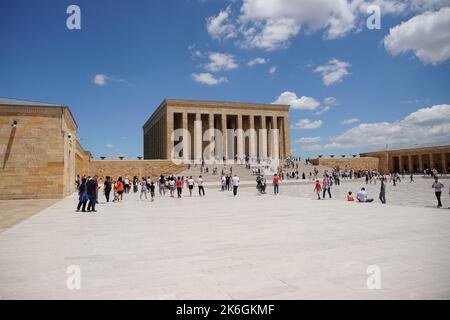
{"x": 438, "y": 186}
{"x": 172, "y": 184}
{"x": 82, "y": 195}
{"x": 161, "y": 186}
{"x": 179, "y": 184}
{"x": 201, "y": 189}
{"x": 235, "y": 182}
{"x": 120, "y": 189}
{"x": 91, "y": 189}
{"x": 383, "y": 190}
{"x": 152, "y": 191}
{"x": 317, "y": 189}
{"x": 107, "y": 187}
{"x": 143, "y": 188}
{"x": 326, "y": 183}
{"x": 190, "y": 183}
{"x": 276, "y": 184}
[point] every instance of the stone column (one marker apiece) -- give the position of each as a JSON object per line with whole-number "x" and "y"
{"x": 400, "y": 163}
{"x": 275, "y": 139}
{"x": 444, "y": 163}
{"x": 420, "y": 163}
{"x": 198, "y": 137}
{"x": 263, "y": 138}
{"x": 240, "y": 137}
{"x": 410, "y": 164}
{"x": 186, "y": 142}
{"x": 286, "y": 138}
{"x": 211, "y": 136}
{"x": 281, "y": 138}
{"x": 431, "y": 162}
{"x": 224, "y": 135}
{"x": 252, "y": 137}
{"x": 169, "y": 132}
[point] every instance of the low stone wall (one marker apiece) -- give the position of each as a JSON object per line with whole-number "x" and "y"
{"x": 360, "y": 163}
{"x": 131, "y": 168}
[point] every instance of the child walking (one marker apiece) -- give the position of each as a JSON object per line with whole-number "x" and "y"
{"x": 317, "y": 189}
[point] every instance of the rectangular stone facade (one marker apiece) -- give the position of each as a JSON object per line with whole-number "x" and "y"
{"x": 413, "y": 160}
{"x": 37, "y": 156}
{"x": 358, "y": 163}
{"x": 198, "y": 117}
{"x": 131, "y": 168}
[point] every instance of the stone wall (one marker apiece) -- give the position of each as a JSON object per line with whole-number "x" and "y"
{"x": 36, "y": 156}
{"x": 130, "y": 168}
{"x": 359, "y": 163}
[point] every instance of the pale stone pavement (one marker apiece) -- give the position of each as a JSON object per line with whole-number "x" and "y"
{"x": 220, "y": 247}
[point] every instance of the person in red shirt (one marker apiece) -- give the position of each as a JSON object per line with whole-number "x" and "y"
{"x": 276, "y": 184}
{"x": 317, "y": 189}
{"x": 179, "y": 185}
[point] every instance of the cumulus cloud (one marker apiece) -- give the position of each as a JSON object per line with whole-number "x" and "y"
{"x": 302, "y": 103}
{"x": 427, "y": 126}
{"x": 208, "y": 78}
{"x": 334, "y": 71}
{"x": 220, "y": 62}
{"x": 220, "y": 26}
{"x": 256, "y": 61}
{"x": 427, "y": 35}
{"x": 349, "y": 121}
{"x": 271, "y": 24}
{"x": 307, "y": 124}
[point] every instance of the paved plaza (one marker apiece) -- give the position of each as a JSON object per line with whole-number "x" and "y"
{"x": 220, "y": 247}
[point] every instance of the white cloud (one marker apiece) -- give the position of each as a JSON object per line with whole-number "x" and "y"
{"x": 103, "y": 79}
{"x": 208, "y": 78}
{"x": 333, "y": 71}
{"x": 256, "y": 61}
{"x": 323, "y": 110}
{"x": 330, "y": 101}
{"x": 271, "y": 24}
{"x": 307, "y": 124}
{"x": 220, "y": 27}
{"x": 220, "y": 62}
{"x": 308, "y": 140}
{"x": 100, "y": 79}
{"x": 426, "y": 126}
{"x": 349, "y": 121}
{"x": 312, "y": 147}
{"x": 302, "y": 103}
{"x": 427, "y": 35}
{"x": 273, "y": 70}
{"x": 110, "y": 146}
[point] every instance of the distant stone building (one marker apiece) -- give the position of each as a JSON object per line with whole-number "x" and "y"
{"x": 413, "y": 159}
{"x": 197, "y": 116}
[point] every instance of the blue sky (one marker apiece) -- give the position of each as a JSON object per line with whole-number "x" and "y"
{"x": 388, "y": 85}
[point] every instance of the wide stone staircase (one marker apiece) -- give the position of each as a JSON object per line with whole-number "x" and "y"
{"x": 244, "y": 173}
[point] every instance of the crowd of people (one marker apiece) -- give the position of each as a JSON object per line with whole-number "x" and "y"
{"x": 88, "y": 187}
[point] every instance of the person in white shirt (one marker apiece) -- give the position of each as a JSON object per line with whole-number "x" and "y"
{"x": 235, "y": 183}
{"x": 362, "y": 196}
{"x": 224, "y": 182}
{"x": 190, "y": 183}
{"x": 200, "y": 186}
{"x": 438, "y": 186}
